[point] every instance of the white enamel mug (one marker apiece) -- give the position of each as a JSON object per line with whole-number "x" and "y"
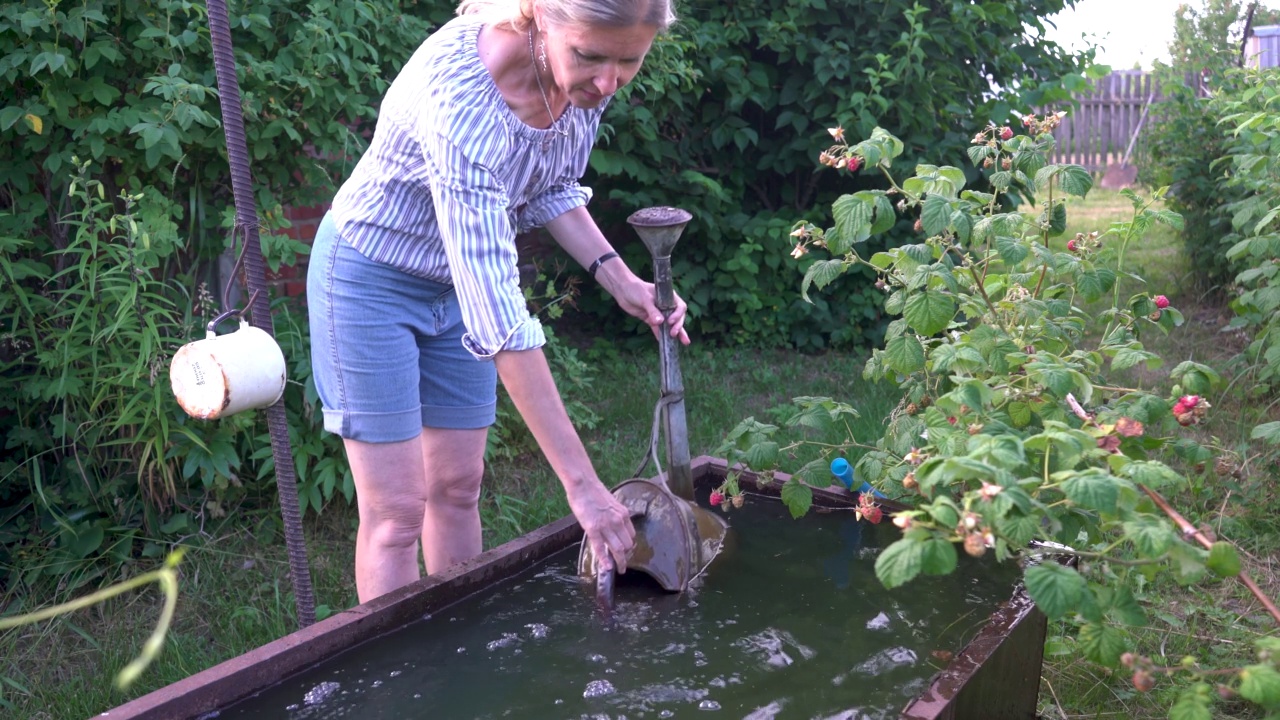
{"x": 224, "y": 374}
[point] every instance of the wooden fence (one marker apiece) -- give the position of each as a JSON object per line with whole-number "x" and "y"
{"x": 1105, "y": 125}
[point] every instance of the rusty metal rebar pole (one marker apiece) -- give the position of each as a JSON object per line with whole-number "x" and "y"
{"x": 1190, "y": 530}
{"x": 260, "y": 308}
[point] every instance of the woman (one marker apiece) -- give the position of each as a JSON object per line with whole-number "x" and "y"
{"x": 413, "y": 286}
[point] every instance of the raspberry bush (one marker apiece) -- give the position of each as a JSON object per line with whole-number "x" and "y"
{"x": 1012, "y": 428}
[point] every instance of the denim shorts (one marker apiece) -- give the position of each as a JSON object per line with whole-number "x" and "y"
{"x": 386, "y": 349}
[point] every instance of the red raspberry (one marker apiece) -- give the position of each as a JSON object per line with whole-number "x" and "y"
{"x": 1071, "y": 245}
{"x": 1190, "y": 401}
{"x": 872, "y": 514}
{"x": 717, "y": 498}
{"x": 1180, "y": 408}
{"x": 919, "y": 226}
{"x": 855, "y": 163}
{"x": 1185, "y": 419}
{"x": 1006, "y": 132}
{"x": 1143, "y": 681}
{"x": 1162, "y": 302}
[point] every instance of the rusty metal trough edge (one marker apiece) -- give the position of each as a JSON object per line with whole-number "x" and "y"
{"x": 975, "y": 684}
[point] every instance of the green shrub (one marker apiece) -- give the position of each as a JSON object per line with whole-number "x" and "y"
{"x": 1250, "y": 128}
{"x": 724, "y": 122}
{"x": 114, "y": 205}
{"x": 1013, "y": 428}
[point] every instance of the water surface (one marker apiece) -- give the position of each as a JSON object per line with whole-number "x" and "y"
{"x": 791, "y": 624}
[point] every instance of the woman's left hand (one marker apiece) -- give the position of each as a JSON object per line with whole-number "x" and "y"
{"x": 639, "y": 299}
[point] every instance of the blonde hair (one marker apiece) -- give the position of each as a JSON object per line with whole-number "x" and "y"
{"x": 518, "y": 14}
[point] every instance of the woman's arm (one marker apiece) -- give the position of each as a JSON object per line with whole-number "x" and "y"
{"x": 527, "y": 379}
{"x": 579, "y": 235}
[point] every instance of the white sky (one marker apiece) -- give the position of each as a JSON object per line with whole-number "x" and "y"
{"x": 1129, "y": 32}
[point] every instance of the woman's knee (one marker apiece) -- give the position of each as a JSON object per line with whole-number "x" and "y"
{"x": 457, "y": 486}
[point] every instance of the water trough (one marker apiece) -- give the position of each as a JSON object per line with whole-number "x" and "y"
{"x": 994, "y": 676}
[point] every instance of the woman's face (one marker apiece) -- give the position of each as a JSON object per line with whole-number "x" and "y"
{"x": 590, "y": 62}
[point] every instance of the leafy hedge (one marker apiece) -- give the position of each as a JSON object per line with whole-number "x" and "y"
{"x": 727, "y": 122}
{"x": 114, "y": 205}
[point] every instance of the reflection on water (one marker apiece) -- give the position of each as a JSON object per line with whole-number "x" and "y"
{"x": 792, "y": 624}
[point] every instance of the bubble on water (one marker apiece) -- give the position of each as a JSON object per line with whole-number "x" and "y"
{"x": 292, "y": 707}
{"x": 417, "y": 696}
{"x": 770, "y": 711}
{"x": 320, "y": 693}
{"x": 461, "y": 650}
{"x": 376, "y": 683}
{"x": 597, "y": 658}
{"x": 708, "y": 705}
{"x": 717, "y": 682}
{"x": 699, "y": 659}
{"x": 666, "y": 714}
{"x": 598, "y": 688}
{"x": 770, "y": 645}
{"x": 886, "y": 660}
{"x": 879, "y": 622}
{"x": 507, "y": 640}
{"x": 559, "y": 701}
{"x": 538, "y": 630}
{"x": 395, "y": 673}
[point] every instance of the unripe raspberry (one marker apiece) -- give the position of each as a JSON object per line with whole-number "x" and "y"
{"x": 919, "y": 226}
{"x": 975, "y": 545}
{"x": 1185, "y": 419}
{"x": 1226, "y": 693}
{"x": 1162, "y": 302}
{"x": 738, "y": 500}
{"x": 1006, "y": 133}
{"x": 1155, "y": 316}
{"x": 902, "y": 521}
{"x": 912, "y": 409}
{"x": 1127, "y": 659}
{"x": 1005, "y": 164}
{"x": 975, "y": 428}
{"x": 909, "y": 482}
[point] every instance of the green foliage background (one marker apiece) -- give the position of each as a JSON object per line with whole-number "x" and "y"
{"x": 731, "y": 113}
{"x": 115, "y": 206}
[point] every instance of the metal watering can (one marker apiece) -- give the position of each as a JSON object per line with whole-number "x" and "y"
{"x": 676, "y": 539}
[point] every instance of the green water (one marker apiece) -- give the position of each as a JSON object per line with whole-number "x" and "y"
{"x": 791, "y": 624}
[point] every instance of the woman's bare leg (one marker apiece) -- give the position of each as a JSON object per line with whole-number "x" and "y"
{"x": 391, "y": 492}
{"x": 451, "y": 522}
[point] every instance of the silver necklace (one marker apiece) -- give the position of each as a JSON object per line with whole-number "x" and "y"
{"x": 538, "y": 76}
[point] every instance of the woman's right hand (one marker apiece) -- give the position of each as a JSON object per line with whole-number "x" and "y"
{"x": 607, "y": 524}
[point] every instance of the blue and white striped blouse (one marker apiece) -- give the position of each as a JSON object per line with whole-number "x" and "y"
{"x": 451, "y": 176}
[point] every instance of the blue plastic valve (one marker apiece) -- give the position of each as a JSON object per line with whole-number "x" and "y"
{"x": 844, "y": 472}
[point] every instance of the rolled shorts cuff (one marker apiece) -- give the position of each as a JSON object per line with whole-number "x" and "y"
{"x": 407, "y": 424}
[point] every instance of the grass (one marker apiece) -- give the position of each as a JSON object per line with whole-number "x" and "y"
{"x": 234, "y": 588}
{"x": 1216, "y": 622}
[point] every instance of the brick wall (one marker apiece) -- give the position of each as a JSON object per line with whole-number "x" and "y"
{"x": 292, "y": 281}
